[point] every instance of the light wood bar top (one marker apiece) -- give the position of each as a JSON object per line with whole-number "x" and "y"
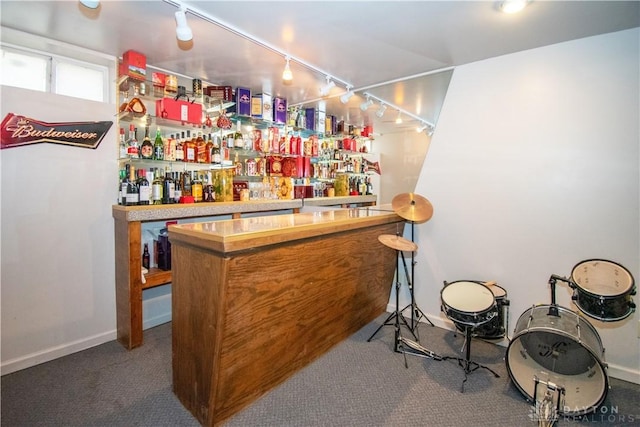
{"x": 226, "y": 236}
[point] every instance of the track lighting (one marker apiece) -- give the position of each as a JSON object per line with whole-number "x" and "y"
{"x": 381, "y": 111}
{"x": 346, "y": 96}
{"x": 399, "y": 118}
{"x": 287, "y": 75}
{"x": 183, "y": 32}
{"x": 324, "y": 90}
{"x": 513, "y": 6}
{"x": 366, "y": 104}
{"x": 421, "y": 128}
{"x": 91, "y": 4}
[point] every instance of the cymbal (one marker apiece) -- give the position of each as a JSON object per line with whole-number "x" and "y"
{"x": 397, "y": 242}
{"x": 413, "y": 207}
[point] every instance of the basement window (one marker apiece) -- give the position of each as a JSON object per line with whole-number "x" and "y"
{"x": 55, "y": 74}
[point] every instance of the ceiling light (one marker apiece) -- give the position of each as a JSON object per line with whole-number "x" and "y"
{"x": 91, "y": 4}
{"x": 183, "y": 32}
{"x": 324, "y": 90}
{"x": 346, "y": 96}
{"x": 399, "y": 118}
{"x": 513, "y": 6}
{"x": 421, "y": 128}
{"x": 366, "y": 104}
{"x": 381, "y": 111}
{"x": 287, "y": 75}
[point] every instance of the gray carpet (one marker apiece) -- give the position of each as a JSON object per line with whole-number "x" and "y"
{"x": 358, "y": 383}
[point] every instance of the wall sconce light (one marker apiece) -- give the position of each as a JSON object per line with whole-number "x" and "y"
{"x": 347, "y": 95}
{"x": 183, "y": 32}
{"x": 324, "y": 90}
{"x": 399, "y": 118}
{"x": 381, "y": 111}
{"x": 91, "y": 4}
{"x": 366, "y": 104}
{"x": 287, "y": 75}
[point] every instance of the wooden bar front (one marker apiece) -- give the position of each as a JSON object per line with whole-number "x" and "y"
{"x": 254, "y": 300}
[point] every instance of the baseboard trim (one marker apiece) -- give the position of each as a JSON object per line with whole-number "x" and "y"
{"x": 614, "y": 371}
{"x": 56, "y": 352}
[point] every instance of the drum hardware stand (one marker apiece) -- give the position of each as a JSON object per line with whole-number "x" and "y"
{"x": 467, "y": 364}
{"x": 401, "y": 344}
{"x": 546, "y": 414}
{"x": 553, "y": 308}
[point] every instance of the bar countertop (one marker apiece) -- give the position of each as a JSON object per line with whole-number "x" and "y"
{"x": 234, "y": 235}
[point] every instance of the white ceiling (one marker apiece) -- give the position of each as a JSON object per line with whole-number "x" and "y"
{"x": 395, "y": 50}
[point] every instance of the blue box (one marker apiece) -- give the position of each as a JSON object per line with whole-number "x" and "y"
{"x": 310, "y": 118}
{"x": 243, "y": 101}
{"x": 279, "y": 110}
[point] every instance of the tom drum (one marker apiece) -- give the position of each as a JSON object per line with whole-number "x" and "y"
{"x": 468, "y": 303}
{"x": 496, "y": 327}
{"x": 603, "y": 290}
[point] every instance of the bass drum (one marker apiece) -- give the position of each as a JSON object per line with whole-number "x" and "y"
{"x": 563, "y": 349}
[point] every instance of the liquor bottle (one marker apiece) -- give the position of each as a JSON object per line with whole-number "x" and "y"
{"x": 196, "y": 188}
{"x": 208, "y": 153}
{"x": 216, "y": 158}
{"x": 168, "y": 189}
{"x": 369, "y": 186}
{"x": 189, "y": 149}
{"x": 123, "y": 145}
{"x": 124, "y": 178}
{"x": 186, "y": 184}
{"x": 146, "y": 258}
{"x": 238, "y": 166}
{"x": 132, "y": 143}
{"x": 170, "y": 152}
{"x": 156, "y": 188}
{"x": 144, "y": 189}
{"x": 177, "y": 181}
{"x": 201, "y": 149}
{"x": 180, "y": 148}
{"x": 146, "y": 148}
{"x": 132, "y": 188}
{"x": 158, "y": 146}
{"x": 208, "y": 195}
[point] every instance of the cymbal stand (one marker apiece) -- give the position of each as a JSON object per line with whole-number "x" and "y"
{"x": 416, "y": 313}
{"x": 401, "y": 344}
{"x": 467, "y": 364}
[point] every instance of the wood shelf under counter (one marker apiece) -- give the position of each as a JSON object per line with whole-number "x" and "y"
{"x": 128, "y": 222}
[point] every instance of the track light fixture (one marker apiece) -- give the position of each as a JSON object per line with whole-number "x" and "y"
{"x": 183, "y": 32}
{"x": 91, "y": 4}
{"x": 324, "y": 90}
{"x": 381, "y": 110}
{"x": 287, "y": 75}
{"x": 399, "y": 118}
{"x": 347, "y": 95}
{"x": 421, "y": 128}
{"x": 366, "y": 104}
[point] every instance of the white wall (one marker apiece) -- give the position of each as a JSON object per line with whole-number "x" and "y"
{"x": 533, "y": 168}
{"x": 57, "y": 293}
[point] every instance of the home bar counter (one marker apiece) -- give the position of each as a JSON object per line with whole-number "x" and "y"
{"x": 254, "y": 300}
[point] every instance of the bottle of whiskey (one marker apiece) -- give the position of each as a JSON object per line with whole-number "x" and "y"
{"x": 189, "y": 149}
{"x": 201, "y": 149}
{"x": 216, "y": 158}
{"x": 180, "y": 147}
{"x": 146, "y": 148}
{"x": 196, "y": 188}
{"x": 208, "y": 151}
{"x": 146, "y": 258}
{"x": 158, "y": 146}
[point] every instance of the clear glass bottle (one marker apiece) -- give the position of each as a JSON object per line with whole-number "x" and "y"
{"x": 196, "y": 188}
{"x": 122, "y": 145}
{"x": 189, "y": 149}
{"x": 156, "y": 188}
{"x": 132, "y": 143}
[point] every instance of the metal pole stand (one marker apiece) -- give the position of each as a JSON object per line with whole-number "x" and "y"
{"x": 467, "y": 364}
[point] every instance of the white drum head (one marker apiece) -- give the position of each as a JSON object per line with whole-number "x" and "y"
{"x": 602, "y": 277}
{"x": 497, "y": 291}
{"x": 469, "y": 297}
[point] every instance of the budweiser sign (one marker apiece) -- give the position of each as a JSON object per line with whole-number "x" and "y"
{"x": 20, "y": 130}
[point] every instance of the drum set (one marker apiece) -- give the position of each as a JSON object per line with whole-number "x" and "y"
{"x": 555, "y": 357}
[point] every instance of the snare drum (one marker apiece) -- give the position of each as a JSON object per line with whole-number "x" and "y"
{"x": 564, "y": 350}
{"x": 468, "y": 303}
{"x": 603, "y": 290}
{"x": 496, "y": 327}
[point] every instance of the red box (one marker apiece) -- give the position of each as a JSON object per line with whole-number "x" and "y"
{"x": 134, "y": 65}
{"x": 179, "y": 110}
{"x": 158, "y": 79}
